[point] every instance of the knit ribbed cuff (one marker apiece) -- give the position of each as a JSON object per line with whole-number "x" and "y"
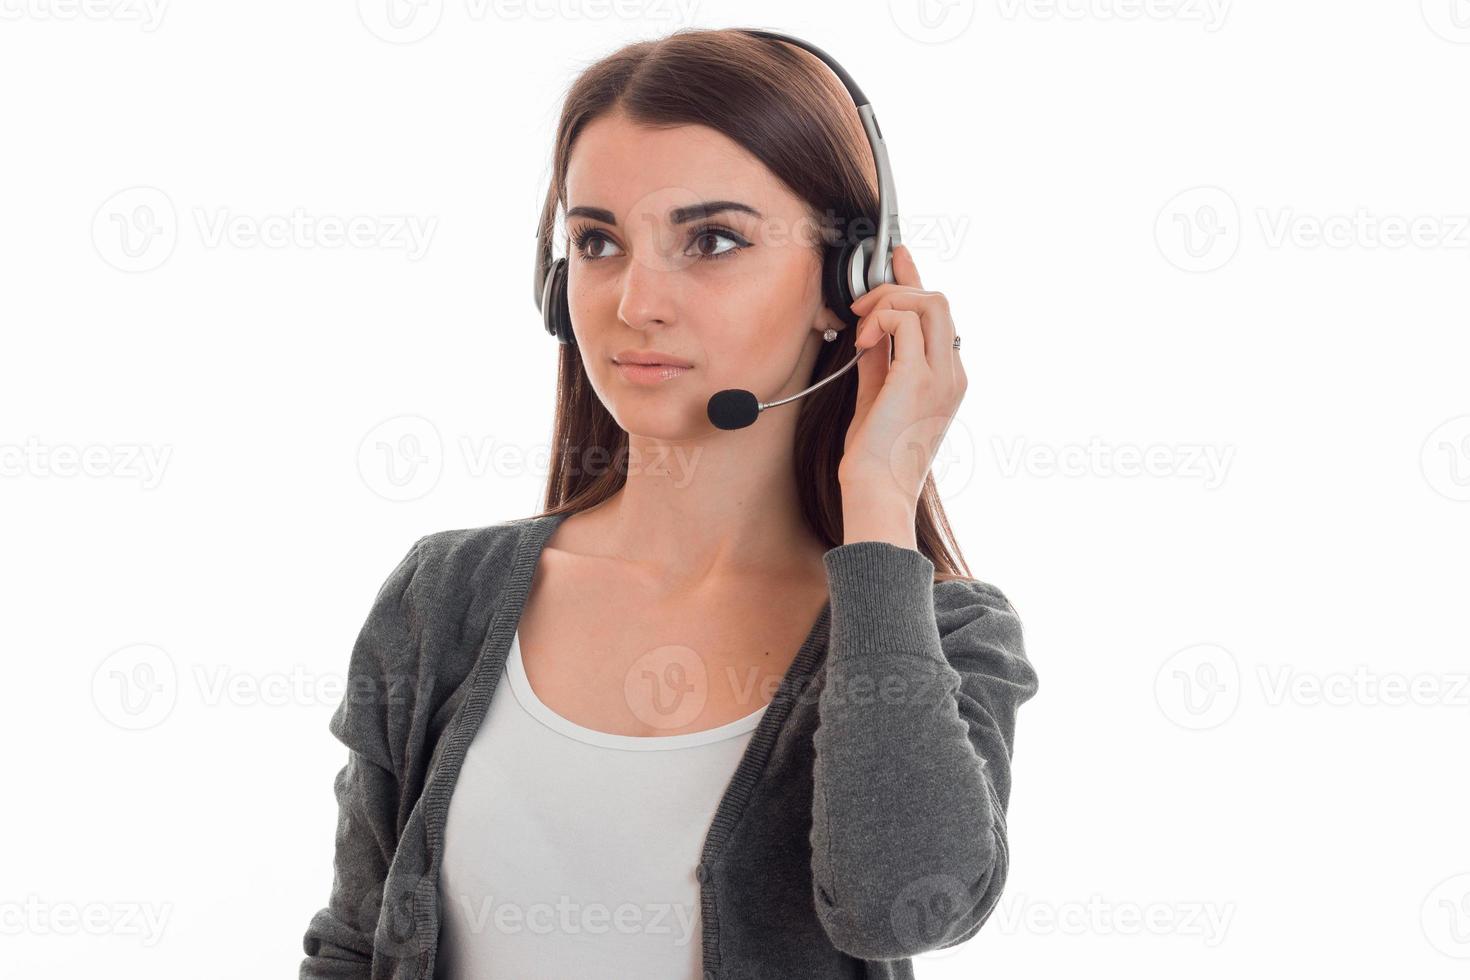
{"x": 882, "y": 599}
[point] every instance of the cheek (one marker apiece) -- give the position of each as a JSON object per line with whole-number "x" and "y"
{"x": 592, "y": 301}
{"x": 789, "y": 296}
{"x": 589, "y": 291}
{"x": 784, "y": 282}
{"x": 757, "y": 321}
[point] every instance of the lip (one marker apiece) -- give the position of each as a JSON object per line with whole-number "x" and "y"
{"x": 651, "y": 374}
{"x": 649, "y": 357}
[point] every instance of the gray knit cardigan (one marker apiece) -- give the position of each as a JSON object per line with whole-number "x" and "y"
{"x": 864, "y": 825}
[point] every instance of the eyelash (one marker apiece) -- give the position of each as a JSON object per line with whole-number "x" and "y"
{"x": 583, "y": 235}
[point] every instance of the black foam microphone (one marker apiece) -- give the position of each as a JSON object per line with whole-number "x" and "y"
{"x": 735, "y": 408}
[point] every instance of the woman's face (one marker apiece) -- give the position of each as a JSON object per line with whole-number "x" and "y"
{"x": 733, "y": 293}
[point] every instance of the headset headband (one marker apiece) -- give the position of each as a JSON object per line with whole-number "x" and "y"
{"x": 886, "y": 236}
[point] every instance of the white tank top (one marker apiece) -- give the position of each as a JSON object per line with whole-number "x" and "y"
{"x": 606, "y": 830}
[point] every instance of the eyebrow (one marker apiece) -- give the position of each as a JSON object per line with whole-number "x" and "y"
{"x": 678, "y": 216}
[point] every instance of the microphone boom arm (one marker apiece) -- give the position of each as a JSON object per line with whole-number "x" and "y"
{"x": 835, "y": 374}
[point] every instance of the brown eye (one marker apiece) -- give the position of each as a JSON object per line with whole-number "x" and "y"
{"x": 711, "y": 236}
{"x": 583, "y": 238}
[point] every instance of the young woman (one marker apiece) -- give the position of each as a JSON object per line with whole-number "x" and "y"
{"x": 730, "y": 706}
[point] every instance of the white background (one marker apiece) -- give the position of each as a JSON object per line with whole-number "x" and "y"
{"x": 1188, "y": 229}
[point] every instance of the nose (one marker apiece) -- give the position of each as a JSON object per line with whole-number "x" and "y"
{"x": 650, "y": 293}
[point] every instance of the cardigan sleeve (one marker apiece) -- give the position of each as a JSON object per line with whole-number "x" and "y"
{"x": 339, "y": 940}
{"x": 912, "y": 753}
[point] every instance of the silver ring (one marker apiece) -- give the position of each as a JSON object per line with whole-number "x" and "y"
{"x": 956, "y": 344}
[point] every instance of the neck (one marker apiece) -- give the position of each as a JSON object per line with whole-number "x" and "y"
{"x": 706, "y": 510}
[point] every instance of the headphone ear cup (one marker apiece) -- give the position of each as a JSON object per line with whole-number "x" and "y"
{"x": 837, "y": 280}
{"x": 558, "y": 315}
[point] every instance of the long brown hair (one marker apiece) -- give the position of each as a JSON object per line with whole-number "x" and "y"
{"x": 785, "y": 107}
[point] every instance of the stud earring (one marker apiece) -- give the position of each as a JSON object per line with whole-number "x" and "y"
{"x": 829, "y": 335}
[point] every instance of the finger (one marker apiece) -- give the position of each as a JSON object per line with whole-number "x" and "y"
{"x": 905, "y": 269}
{"x": 871, "y": 328}
{"x": 938, "y": 325}
{"x": 905, "y": 329}
{"x": 864, "y": 303}
{"x": 872, "y": 370}
{"x": 908, "y": 338}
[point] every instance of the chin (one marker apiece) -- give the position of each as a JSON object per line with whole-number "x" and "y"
{"x": 673, "y": 410}
{"x": 660, "y": 417}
